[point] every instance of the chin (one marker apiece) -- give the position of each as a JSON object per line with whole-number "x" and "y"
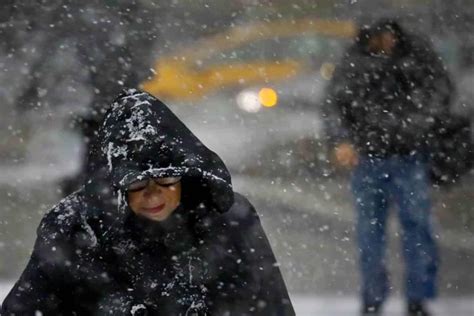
{"x": 159, "y": 218}
{"x": 155, "y": 219}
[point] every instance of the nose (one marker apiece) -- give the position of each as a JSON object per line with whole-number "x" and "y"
{"x": 152, "y": 188}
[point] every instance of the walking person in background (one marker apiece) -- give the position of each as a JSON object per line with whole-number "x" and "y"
{"x": 156, "y": 230}
{"x": 384, "y": 106}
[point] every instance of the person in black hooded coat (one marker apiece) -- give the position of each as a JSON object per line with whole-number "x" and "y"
{"x": 97, "y": 253}
{"x": 386, "y": 105}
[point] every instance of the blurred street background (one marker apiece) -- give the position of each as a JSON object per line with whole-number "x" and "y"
{"x": 248, "y": 77}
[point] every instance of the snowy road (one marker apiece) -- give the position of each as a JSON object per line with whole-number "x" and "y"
{"x": 338, "y": 306}
{"x": 307, "y": 305}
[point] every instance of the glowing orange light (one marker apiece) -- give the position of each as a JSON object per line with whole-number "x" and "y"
{"x": 268, "y": 97}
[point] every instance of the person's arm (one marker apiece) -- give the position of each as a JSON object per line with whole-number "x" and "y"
{"x": 336, "y": 112}
{"x": 335, "y": 100}
{"x": 339, "y": 94}
{"x": 42, "y": 283}
{"x": 265, "y": 279}
{"x": 66, "y": 259}
{"x": 273, "y": 295}
{"x": 432, "y": 89}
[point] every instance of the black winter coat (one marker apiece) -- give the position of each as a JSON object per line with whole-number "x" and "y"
{"x": 388, "y": 105}
{"x": 93, "y": 256}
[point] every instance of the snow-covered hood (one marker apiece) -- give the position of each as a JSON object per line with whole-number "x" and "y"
{"x": 140, "y": 137}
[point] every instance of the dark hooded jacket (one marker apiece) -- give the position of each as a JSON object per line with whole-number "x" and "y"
{"x": 388, "y": 104}
{"x": 93, "y": 256}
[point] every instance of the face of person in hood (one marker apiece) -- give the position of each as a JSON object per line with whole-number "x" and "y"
{"x": 155, "y": 199}
{"x": 383, "y": 43}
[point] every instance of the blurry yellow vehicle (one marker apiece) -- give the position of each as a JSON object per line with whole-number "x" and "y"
{"x": 258, "y": 53}
{"x": 252, "y": 93}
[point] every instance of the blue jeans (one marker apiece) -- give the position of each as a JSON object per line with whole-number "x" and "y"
{"x": 375, "y": 183}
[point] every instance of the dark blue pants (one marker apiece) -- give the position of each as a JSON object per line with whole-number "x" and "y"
{"x": 404, "y": 180}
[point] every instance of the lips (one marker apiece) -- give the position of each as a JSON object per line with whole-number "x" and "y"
{"x": 154, "y": 210}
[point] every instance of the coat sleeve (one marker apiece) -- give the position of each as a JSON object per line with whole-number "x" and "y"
{"x": 264, "y": 276}
{"x": 338, "y": 98}
{"x": 42, "y": 283}
{"x": 60, "y": 267}
{"x": 431, "y": 89}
